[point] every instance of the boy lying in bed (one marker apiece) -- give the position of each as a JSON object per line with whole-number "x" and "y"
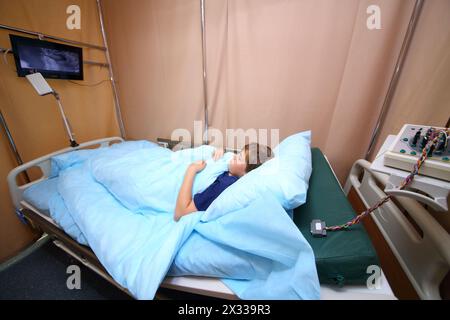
{"x": 250, "y": 157}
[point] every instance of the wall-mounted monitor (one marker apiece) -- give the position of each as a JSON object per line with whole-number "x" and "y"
{"x": 51, "y": 59}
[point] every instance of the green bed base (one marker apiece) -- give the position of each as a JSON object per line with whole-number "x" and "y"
{"x": 342, "y": 257}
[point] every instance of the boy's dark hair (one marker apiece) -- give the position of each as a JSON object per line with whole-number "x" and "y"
{"x": 256, "y": 155}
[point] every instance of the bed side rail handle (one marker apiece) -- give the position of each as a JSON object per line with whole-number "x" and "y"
{"x": 353, "y": 177}
{"x": 427, "y": 276}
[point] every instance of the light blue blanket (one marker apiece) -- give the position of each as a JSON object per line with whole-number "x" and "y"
{"x": 120, "y": 202}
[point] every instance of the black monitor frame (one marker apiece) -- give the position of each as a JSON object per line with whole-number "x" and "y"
{"x": 17, "y": 41}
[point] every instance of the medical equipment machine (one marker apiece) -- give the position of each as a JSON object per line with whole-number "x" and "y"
{"x": 43, "y": 88}
{"x": 408, "y": 145}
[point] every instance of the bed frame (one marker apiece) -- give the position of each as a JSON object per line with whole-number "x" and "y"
{"x": 211, "y": 287}
{"x": 418, "y": 241}
{"x": 191, "y": 284}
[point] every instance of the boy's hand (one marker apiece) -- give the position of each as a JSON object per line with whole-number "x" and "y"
{"x": 197, "y": 166}
{"x": 218, "y": 153}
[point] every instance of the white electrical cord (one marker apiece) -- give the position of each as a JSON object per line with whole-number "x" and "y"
{"x": 5, "y": 61}
{"x": 5, "y": 52}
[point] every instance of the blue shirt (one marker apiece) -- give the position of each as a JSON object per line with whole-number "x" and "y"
{"x": 202, "y": 200}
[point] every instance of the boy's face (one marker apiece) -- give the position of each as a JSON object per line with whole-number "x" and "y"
{"x": 237, "y": 165}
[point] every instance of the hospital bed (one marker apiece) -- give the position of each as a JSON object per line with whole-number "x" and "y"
{"x": 342, "y": 258}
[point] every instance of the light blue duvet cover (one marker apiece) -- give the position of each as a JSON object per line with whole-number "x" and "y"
{"x": 120, "y": 201}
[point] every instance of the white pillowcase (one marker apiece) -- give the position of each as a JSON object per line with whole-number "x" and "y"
{"x": 286, "y": 177}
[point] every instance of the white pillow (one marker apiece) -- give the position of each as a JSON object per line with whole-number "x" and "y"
{"x": 286, "y": 177}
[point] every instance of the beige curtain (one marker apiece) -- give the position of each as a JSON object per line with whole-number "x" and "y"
{"x": 290, "y": 65}
{"x": 298, "y": 65}
{"x": 157, "y": 57}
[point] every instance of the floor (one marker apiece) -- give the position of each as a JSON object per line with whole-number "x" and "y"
{"x": 42, "y": 275}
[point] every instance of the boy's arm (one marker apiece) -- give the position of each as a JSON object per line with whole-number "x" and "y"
{"x": 185, "y": 203}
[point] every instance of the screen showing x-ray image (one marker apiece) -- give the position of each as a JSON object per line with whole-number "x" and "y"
{"x": 48, "y": 59}
{"x": 51, "y": 59}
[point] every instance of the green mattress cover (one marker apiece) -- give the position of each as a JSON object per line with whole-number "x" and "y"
{"x": 342, "y": 257}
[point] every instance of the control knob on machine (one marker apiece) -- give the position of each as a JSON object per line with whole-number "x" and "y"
{"x": 441, "y": 144}
{"x": 423, "y": 142}
{"x": 416, "y": 137}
